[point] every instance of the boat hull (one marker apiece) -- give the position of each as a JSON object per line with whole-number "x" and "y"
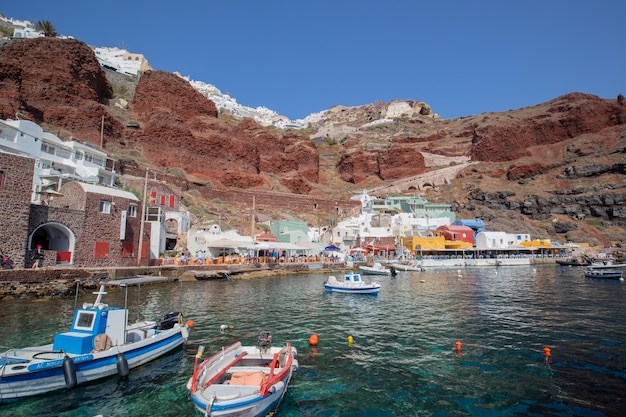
{"x": 353, "y": 290}
{"x": 26, "y": 379}
{"x": 604, "y": 274}
{"x": 260, "y": 406}
{"x": 408, "y": 267}
{"x": 374, "y": 271}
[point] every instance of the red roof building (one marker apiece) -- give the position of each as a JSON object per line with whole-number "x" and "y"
{"x": 456, "y": 233}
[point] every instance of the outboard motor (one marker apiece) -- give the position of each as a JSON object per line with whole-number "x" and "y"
{"x": 169, "y": 320}
{"x": 265, "y": 340}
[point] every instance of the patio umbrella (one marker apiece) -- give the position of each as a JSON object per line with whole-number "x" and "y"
{"x": 332, "y": 248}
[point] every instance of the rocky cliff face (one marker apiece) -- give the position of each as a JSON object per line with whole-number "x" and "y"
{"x": 59, "y": 84}
{"x": 552, "y": 167}
{"x": 180, "y": 128}
{"x": 56, "y": 83}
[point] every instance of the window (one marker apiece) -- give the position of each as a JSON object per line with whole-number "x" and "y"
{"x": 105, "y": 207}
{"x": 1, "y": 178}
{"x": 132, "y": 211}
{"x": 85, "y": 320}
{"x": 128, "y": 249}
{"x": 49, "y": 149}
{"x": 102, "y": 250}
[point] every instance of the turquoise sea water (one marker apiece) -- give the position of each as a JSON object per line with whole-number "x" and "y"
{"x": 403, "y": 361}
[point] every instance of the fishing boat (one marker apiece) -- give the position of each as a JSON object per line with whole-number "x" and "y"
{"x": 573, "y": 262}
{"x": 607, "y": 265}
{"x": 352, "y": 284}
{"x": 243, "y": 381}
{"x": 99, "y": 343}
{"x": 377, "y": 269}
{"x": 604, "y": 273}
{"x": 408, "y": 266}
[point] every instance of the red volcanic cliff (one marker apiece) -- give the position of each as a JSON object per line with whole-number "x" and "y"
{"x": 180, "y": 128}
{"x": 59, "y": 84}
{"x": 509, "y": 135}
{"x": 56, "y": 83}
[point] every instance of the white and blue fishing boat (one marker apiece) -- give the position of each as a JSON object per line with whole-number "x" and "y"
{"x": 243, "y": 381}
{"x": 378, "y": 269}
{"x": 604, "y": 273}
{"x": 99, "y": 343}
{"x": 352, "y": 284}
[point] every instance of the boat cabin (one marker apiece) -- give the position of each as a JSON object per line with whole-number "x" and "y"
{"x": 89, "y": 322}
{"x": 353, "y": 277}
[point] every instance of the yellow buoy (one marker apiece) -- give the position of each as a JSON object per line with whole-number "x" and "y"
{"x": 350, "y": 340}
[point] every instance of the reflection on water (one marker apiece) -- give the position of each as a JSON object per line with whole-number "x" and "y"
{"x": 403, "y": 361}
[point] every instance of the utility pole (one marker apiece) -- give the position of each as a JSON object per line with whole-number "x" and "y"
{"x": 252, "y": 226}
{"x": 102, "y": 133}
{"x": 317, "y": 214}
{"x": 143, "y": 219}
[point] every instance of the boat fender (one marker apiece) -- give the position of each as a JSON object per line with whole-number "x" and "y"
{"x": 272, "y": 389}
{"x": 294, "y": 367}
{"x": 69, "y": 372}
{"x": 122, "y": 365}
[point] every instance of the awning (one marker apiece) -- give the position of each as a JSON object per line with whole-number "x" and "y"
{"x": 224, "y": 243}
{"x": 50, "y": 193}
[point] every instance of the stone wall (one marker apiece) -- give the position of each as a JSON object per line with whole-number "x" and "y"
{"x": 165, "y": 184}
{"x": 140, "y": 174}
{"x": 269, "y": 200}
{"x": 157, "y": 186}
{"x": 15, "y": 190}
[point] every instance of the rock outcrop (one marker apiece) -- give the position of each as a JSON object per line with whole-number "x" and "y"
{"x": 59, "y": 84}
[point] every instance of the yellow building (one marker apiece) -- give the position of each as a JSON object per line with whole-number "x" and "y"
{"x": 432, "y": 243}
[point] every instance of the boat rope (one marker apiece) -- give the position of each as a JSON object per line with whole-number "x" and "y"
{"x": 207, "y": 411}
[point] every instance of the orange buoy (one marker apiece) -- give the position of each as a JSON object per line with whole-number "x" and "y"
{"x": 546, "y": 351}
{"x": 189, "y": 324}
{"x": 313, "y": 339}
{"x": 458, "y": 345}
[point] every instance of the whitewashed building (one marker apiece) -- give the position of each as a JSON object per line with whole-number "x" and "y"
{"x": 499, "y": 240}
{"x": 57, "y": 161}
{"x": 491, "y": 240}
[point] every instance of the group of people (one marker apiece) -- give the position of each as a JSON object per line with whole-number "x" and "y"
{"x": 37, "y": 258}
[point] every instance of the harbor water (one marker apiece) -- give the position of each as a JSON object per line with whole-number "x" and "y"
{"x": 403, "y": 360}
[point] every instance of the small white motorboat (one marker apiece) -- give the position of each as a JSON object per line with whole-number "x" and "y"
{"x": 606, "y": 265}
{"x": 352, "y": 284}
{"x": 603, "y": 273}
{"x": 413, "y": 266}
{"x": 377, "y": 269}
{"x": 100, "y": 343}
{"x": 243, "y": 381}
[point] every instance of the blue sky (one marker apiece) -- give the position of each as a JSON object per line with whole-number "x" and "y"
{"x": 298, "y": 57}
